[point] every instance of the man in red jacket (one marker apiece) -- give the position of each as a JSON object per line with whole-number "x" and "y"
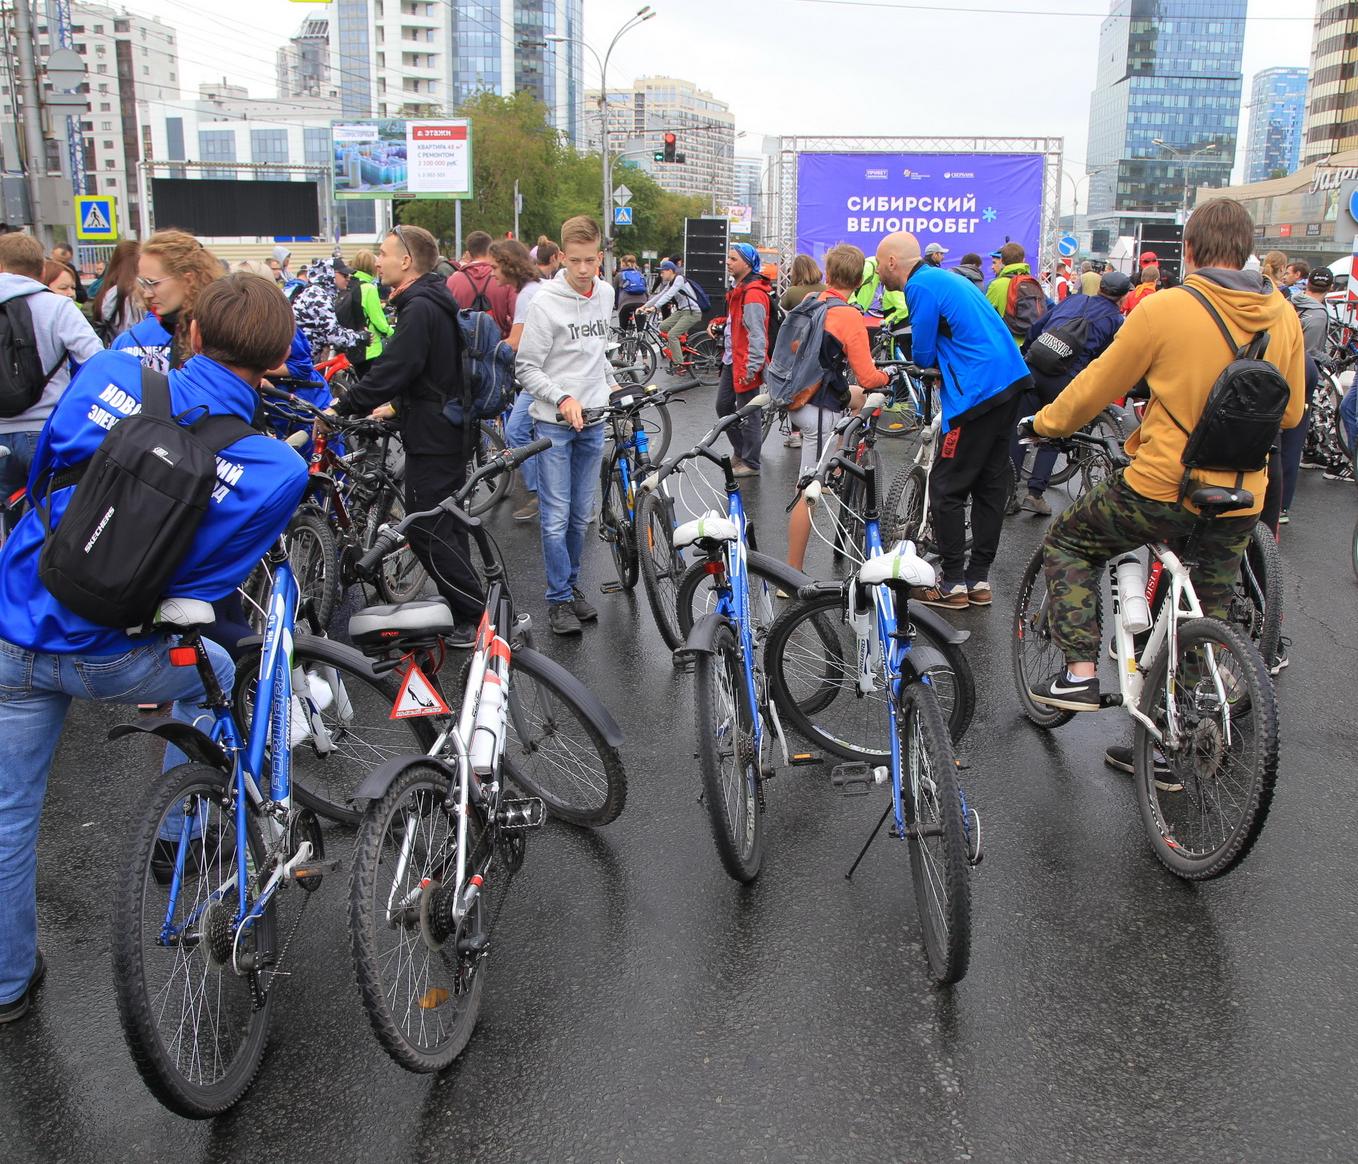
{"x": 747, "y": 352}
{"x": 476, "y": 285}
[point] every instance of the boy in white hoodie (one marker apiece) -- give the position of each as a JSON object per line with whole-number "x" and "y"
{"x": 563, "y": 361}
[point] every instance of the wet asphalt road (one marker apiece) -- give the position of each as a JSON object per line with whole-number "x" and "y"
{"x": 640, "y": 1006}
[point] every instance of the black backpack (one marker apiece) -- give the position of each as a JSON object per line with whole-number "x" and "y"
{"x": 137, "y": 505}
{"x": 1244, "y": 410}
{"x": 1055, "y": 350}
{"x": 22, "y": 378}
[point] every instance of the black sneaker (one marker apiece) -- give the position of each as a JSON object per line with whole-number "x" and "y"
{"x": 1119, "y": 756}
{"x": 462, "y": 637}
{"x": 562, "y": 619}
{"x": 1058, "y": 691}
{"x": 13, "y": 1011}
{"x": 580, "y": 604}
{"x": 1339, "y": 473}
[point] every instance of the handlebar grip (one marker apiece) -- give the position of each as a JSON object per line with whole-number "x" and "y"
{"x": 387, "y": 540}
{"x": 519, "y": 455}
{"x": 276, "y": 393}
{"x": 812, "y": 494}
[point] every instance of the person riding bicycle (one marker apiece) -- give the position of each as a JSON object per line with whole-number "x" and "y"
{"x": 687, "y": 315}
{"x": 1175, "y": 345}
{"x": 241, "y": 327}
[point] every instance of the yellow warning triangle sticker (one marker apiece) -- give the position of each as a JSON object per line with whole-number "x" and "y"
{"x": 417, "y": 697}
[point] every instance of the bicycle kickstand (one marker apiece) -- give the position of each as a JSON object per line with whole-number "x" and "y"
{"x": 863, "y": 852}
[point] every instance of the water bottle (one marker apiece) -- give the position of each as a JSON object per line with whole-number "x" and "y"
{"x": 1136, "y": 611}
{"x": 488, "y": 733}
{"x": 861, "y": 620}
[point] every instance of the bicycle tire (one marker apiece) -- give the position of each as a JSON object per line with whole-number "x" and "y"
{"x": 766, "y": 577}
{"x": 425, "y": 956}
{"x": 1354, "y": 550}
{"x": 1034, "y": 654}
{"x": 555, "y": 750}
{"x": 314, "y": 557}
{"x": 140, "y": 906}
{"x": 1107, "y": 424}
{"x": 662, "y": 566}
{"x": 1254, "y": 706}
{"x": 659, "y": 427}
{"x": 356, "y": 700}
{"x": 903, "y": 513}
{"x": 488, "y": 494}
{"x": 1257, "y": 597}
{"x": 726, "y": 759}
{"x": 704, "y": 356}
{"x": 402, "y": 577}
{"x": 850, "y": 494}
{"x": 634, "y": 354}
{"x": 615, "y": 526}
{"x": 813, "y": 672}
{"x": 935, "y": 834}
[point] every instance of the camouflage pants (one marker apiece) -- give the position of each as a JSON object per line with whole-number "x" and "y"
{"x": 1109, "y": 520}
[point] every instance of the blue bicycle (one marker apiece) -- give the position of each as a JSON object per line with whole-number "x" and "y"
{"x": 737, "y": 724}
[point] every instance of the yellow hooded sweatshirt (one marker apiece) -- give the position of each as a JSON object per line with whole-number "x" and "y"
{"x": 1172, "y": 342}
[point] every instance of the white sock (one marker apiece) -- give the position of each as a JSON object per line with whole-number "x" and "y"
{"x": 1076, "y": 678}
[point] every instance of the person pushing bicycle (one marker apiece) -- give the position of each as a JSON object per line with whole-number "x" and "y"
{"x": 1176, "y": 343}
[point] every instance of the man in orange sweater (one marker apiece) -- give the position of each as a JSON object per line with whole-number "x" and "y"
{"x": 1174, "y": 344}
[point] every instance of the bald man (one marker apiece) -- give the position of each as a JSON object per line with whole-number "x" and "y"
{"x": 954, "y": 328}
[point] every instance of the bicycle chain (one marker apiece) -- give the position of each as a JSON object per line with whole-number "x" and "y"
{"x": 258, "y": 997}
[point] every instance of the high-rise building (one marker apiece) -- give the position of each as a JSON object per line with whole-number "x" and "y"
{"x": 304, "y": 62}
{"x": 1332, "y": 107}
{"x": 424, "y": 58}
{"x": 130, "y": 60}
{"x": 749, "y": 178}
{"x": 704, "y": 128}
{"x": 1277, "y": 113}
{"x": 1165, "y": 109}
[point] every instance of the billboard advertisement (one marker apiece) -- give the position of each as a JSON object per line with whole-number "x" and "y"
{"x": 964, "y": 201}
{"x": 392, "y": 158}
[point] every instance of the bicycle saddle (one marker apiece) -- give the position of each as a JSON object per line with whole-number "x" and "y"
{"x": 712, "y": 526}
{"x": 1214, "y": 500}
{"x": 184, "y": 613}
{"x": 383, "y": 626}
{"x": 899, "y": 564}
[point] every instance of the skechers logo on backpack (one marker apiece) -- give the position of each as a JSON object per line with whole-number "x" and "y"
{"x": 164, "y": 455}
{"x": 596, "y": 330}
{"x": 98, "y": 529}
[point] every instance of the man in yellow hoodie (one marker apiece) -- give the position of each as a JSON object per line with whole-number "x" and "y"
{"x": 1173, "y": 343}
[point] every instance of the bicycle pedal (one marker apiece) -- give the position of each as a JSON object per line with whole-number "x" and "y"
{"x": 610, "y": 587}
{"x": 1110, "y": 699}
{"x": 963, "y": 763}
{"x": 314, "y": 869}
{"x": 527, "y": 812}
{"x": 854, "y": 778}
{"x": 804, "y": 759}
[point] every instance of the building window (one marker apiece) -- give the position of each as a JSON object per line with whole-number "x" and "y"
{"x": 101, "y": 68}
{"x": 270, "y": 145}
{"x": 105, "y": 107}
{"x": 110, "y": 164}
{"x": 217, "y": 145}
{"x": 316, "y": 146}
{"x": 110, "y": 182}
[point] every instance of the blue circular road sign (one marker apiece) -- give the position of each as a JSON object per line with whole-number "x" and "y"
{"x": 1069, "y": 246}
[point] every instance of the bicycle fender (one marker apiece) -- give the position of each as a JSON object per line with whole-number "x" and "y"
{"x": 700, "y": 638}
{"x": 939, "y": 626}
{"x": 375, "y": 784}
{"x": 589, "y": 703}
{"x": 326, "y": 650}
{"x": 193, "y": 742}
{"x": 789, "y": 578}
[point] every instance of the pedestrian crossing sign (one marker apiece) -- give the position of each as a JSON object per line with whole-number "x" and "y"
{"x": 96, "y": 218}
{"x": 622, "y": 216}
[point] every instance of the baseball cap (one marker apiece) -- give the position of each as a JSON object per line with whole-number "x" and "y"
{"x": 1321, "y": 279}
{"x": 343, "y": 268}
{"x": 1114, "y": 284}
{"x": 935, "y": 249}
{"x": 668, "y": 266}
{"x": 1149, "y": 257}
{"x": 996, "y": 255}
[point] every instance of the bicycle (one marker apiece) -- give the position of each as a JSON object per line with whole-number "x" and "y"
{"x": 1198, "y": 693}
{"x": 701, "y": 354}
{"x": 437, "y": 826}
{"x": 928, "y": 806}
{"x": 196, "y": 955}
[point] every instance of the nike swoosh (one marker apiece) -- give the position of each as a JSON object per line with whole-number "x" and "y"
{"x": 1057, "y": 689}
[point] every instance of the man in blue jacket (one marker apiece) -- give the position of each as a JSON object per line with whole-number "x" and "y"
{"x": 955, "y": 328}
{"x": 1057, "y": 359}
{"x": 49, "y": 655}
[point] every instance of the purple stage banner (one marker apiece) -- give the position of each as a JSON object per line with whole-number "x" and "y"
{"x": 966, "y": 202}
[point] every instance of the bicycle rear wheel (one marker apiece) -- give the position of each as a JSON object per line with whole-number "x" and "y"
{"x": 315, "y": 562}
{"x": 705, "y": 356}
{"x": 190, "y": 1020}
{"x": 1035, "y": 654}
{"x": 1256, "y": 601}
{"x": 727, "y": 758}
{"x": 615, "y": 527}
{"x": 662, "y": 566}
{"x": 421, "y": 994}
{"x": 1205, "y": 808}
{"x": 767, "y": 576}
{"x": 936, "y": 834}
{"x": 402, "y": 576}
{"x": 811, "y": 658}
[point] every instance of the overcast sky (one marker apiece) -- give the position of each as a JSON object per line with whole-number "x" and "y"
{"x": 877, "y": 67}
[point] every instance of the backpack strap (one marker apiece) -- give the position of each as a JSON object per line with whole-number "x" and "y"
{"x": 1236, "y": 350}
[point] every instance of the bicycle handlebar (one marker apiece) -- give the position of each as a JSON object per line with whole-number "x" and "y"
{"x": 703, "y": 447}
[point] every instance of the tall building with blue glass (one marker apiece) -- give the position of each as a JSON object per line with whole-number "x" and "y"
{"x": 1277, "y": 119}
{"x": 1165, "y": 110}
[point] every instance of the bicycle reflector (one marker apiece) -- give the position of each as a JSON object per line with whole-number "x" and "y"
{"x": 183, "y": 656}
{"x": 714, "y": 568}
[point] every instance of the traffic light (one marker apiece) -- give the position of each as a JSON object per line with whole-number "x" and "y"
{"x": 670, "y": 142}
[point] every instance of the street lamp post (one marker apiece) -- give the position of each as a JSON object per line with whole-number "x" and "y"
{"x": 640, "y": 17}
{"x": 1186, "y": 159}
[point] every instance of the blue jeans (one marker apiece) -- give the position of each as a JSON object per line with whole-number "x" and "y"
{"x": 567, "y": 476}
{"x": 35, "y": 692}
{"x": 519, "y": 432}
{"x": 14, "y": 467}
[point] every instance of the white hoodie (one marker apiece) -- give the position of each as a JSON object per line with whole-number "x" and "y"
{"x": 564, "y": 348}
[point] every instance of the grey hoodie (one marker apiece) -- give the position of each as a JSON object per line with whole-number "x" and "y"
{"x": 1315, "y": 322}
{"x": 564, "y": 348}
{"x": 61, "y": 331}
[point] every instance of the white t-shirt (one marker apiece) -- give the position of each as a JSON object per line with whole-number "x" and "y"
{"x": 526, "y": 296}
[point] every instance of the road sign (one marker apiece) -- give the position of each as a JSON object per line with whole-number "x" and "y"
{"x": 622, "y": 216}
{"x": 96, "y": 219}
{"x": 622, "y": 195}
{"x": 1069, "y": 246}
{"x": 65, "y": 69}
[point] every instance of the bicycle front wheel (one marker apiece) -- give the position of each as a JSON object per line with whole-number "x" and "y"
{"x": 662, "y": 566}
{"x": 936, "y": 833}
{"x": 422, "y": 996}
{"x": 1256, "y": 602}
{"x": 402, "y": 577}
{"x": 1204, "y": 800}
{"x": 727, "y": 757}
{"x": 315, "y": 562}
{"x": 190, "y": 1018}
{"x": 615, "y": 527}
{"x": 489, "y": 445}
{"x": 1034, "y": 651}
{"x": 903, "y": 514}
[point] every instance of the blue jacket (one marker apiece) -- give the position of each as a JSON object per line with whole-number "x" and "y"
{"x": 1103, "y": 316}
{"x": 148, "y": 341}
{"x": 954, "y": 328}
{"x": 260, "y": 483}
